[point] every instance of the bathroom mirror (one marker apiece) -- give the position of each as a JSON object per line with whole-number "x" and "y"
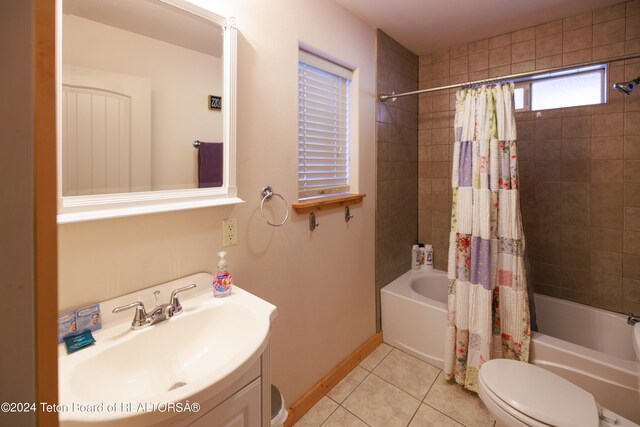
{"x": 138, "y": 82}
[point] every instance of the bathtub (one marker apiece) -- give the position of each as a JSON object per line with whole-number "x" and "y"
{"x": 588, "y": 346}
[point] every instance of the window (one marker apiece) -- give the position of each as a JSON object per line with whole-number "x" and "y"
{"x": 569, "y": 88}
{"x": 323, "y": 127}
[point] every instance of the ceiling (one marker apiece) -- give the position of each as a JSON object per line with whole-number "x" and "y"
{"x": 154, "y": 19}
{"x": 427, "y": 26}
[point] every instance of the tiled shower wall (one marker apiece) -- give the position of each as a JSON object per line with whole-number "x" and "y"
{"x": 397, "y": 163}
{"x": 579, "y": 167}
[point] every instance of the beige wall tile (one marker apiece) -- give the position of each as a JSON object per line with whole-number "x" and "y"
{"x": 607, "y": 171}
{"x": 609, "y": 13}
{"x": 549, "y": 62}
{"x": 549, "y": 28}
{"x": 523, "y": 67}
{"x": 548, "y": 191}
{"x": 549, "y": 45}
{"x": 578, "y": 21}
{"x": 576, "y": 127}
{"x": 632, "y": 123}
{"x": 576, "y": 170}
{"x": 632, "y": 195}
{"x": 609, "y": 32}
{"x": 632, "y": 46}
{"x": 579, "y": 148}
{"x": 607, "y": 148}
{"x": 632, "y": 147}
{"x": 576, "y": 192}
{"x": 633, "y": 7}
{"x": 631, "y": 266}
{"x": 632, "y": 219}
{"x": 606, "y": 292}
{"x": 607, "y": 125}
{"x": 606, "y": 263}
{"x": 608, "y": 51}
{"x": 442, "y": 55}
{"x": 547, "y": 171}
{"x": 478, "y": 46}
{"x": 576, "y": 57}
{"x": 631, "y": 242}
{"x": 503, "y": 70}
{"x": 573, "y": 236}
{"x": 459, "y": 65}
{"x": 500, "y": 41}
{"x": 523, "y": 35}
{"x": 606, "y": 239}
{"x": 457, "y": 51}
{"x": 576, "y": 280}
{"x": 546, "y": 129}
{"x": 603, "y": 193}
{"x": 523, "y": 51}
{"x": 633, "y": 27}
{"x": 577, "y": 39}
{"x": 631, "y": 290}
{"x": 500, "y": 56}
{"x": 632, "y": 171}
{"x": 479, "y": 61}
{"x": 606, "y": 217}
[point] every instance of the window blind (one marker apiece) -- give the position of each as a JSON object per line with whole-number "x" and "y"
{"x": 323, "y": 127}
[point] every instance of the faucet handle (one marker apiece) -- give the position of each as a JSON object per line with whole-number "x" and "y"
{"x": 174, "y": 302}
{"x": 139, "y": 318}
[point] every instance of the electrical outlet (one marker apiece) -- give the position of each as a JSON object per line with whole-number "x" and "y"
{"x": 230, "y": 232}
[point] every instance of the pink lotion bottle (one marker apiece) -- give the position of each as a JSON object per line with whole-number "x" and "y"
{"x": 222, "y": 281}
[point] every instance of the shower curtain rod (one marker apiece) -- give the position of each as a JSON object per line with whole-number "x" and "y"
{"x": 511, "y": 77}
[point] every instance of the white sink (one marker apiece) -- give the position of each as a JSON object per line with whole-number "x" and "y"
{"x": 191, "y": 356}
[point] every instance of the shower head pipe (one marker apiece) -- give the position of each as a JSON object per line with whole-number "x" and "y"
{"x": 627, "y": 87}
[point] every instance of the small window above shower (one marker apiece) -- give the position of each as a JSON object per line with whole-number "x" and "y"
{"x": 568, "y": 88}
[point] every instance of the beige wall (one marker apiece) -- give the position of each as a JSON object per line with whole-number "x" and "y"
{"x": 179, "y": 90}
{"x": 578, "y": 166}
{"x": 17, "y": 250}
{"x": 322, "y": 283}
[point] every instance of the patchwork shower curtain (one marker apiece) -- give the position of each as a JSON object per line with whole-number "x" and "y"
{"x": 488, "y": 307}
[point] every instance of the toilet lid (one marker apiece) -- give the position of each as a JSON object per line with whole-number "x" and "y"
{"x": 540, "y": 394}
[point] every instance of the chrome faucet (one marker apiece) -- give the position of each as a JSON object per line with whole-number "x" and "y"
{"x": 142, "y": 319}
{"x": 632, "y": 320}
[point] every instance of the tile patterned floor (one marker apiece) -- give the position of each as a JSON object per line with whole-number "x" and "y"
{"x": 391, "y": 388}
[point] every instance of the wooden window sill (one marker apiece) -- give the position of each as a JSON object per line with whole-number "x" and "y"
{"x": 326, "y": 203}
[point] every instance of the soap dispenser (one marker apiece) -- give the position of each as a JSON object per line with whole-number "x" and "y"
{"x": 222, "y": 281}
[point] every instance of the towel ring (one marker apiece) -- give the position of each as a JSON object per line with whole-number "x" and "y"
{"x": 267, "y": 193}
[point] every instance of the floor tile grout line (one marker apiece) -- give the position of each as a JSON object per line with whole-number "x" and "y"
{"x": 366, "y": 423}
{"x": 351, "y": 392}
{"x": 414, "y": 414}
{"x": 381, "y": 360}
{"x": 432, "y": 384}
{"x": 395, "y": 386}
{"x": 446, "y": 415}
{"x": 329, "y": 416}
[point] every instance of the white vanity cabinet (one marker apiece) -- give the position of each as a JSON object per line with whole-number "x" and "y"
{"x": 245, "y": 403}
{"x": 242, "y": 409}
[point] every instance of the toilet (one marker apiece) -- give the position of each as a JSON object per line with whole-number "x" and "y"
{"x": 521, "y": 394}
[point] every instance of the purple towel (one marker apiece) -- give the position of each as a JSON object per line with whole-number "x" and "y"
{"x": 210, "y": 164}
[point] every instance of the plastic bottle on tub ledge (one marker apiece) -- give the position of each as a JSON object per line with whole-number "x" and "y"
{"x": 415, "y": 257}
{"x": 428, "y": 257}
